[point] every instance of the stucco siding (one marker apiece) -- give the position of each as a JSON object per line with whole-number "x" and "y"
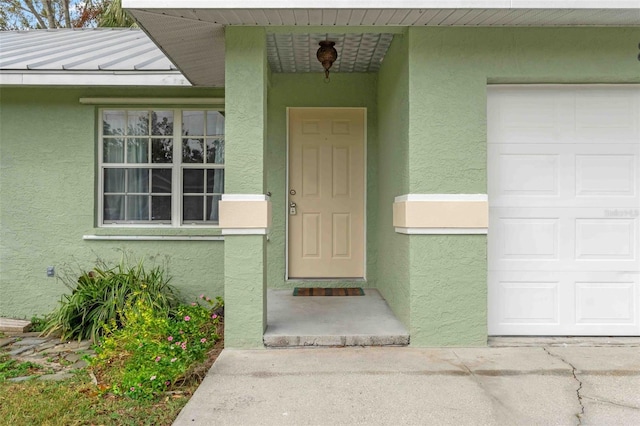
{"x": 47, "y": 202}
{"x": 449, "y": 72}
{"x": 393, "y": 161}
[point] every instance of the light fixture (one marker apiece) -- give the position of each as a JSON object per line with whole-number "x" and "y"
{"x": 327, "y": 55}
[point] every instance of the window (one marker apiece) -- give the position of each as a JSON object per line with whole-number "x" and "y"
{"x": 162, "y": 167}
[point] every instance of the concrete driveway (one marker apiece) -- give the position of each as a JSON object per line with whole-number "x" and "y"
{"x": 407, "y": 386}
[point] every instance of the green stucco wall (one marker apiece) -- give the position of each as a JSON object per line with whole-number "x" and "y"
{"x": 309, "y": 90}
{"x": 245, "y": 278}
{"x": 47, "y": 186}
{"x": 426, "y": 134}
{"x": 393, "y": 180}
{"x": 449, "y": 69}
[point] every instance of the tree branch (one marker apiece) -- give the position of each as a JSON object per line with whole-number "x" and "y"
{"x": 51, "y": 14}
{"x": 67, "y": 16}
{"x": 35, "y": 13}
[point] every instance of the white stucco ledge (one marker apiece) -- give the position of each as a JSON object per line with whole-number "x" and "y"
{"x": 441, "y": 214}
{"x": 441, "y": 231}
{"x": 245, "y": 214}
{"x": 93, "y": 237}
{"x": 152, "y": 101}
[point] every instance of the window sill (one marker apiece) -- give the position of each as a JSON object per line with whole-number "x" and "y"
{"x": 155, "y": 234}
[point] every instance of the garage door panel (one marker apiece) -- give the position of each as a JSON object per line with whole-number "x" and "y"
{"x": 605, "y": 302}
{"x": 606, "y": 175}
{"x": 526, "y": 238}
{"x": 606, "y": 116}
{"x": 568, "y": 239}
{"x": 564, "y": 216}
{"x": 606, "y": 240}
{"x": 543, "y": 117}
{"x": 529, "y": 174}
{"x": 552, "y": 303}
{"x": 528, "y": 302}
{"x": 566, "y": 175}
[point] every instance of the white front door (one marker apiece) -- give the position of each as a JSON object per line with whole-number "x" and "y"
{"x": 563, "y": 184}
{"x": 326, "y": 187}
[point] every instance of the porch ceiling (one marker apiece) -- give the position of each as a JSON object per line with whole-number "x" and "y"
{"x": 193, "y": 36}
{"x": 356, "y": 52}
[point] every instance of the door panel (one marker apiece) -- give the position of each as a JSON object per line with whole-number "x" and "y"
{"x": 326, "y": 174}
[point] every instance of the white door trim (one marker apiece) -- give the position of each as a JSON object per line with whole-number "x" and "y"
{"x": 286, "y": 198}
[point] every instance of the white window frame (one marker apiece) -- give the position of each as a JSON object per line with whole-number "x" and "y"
{"x": 177, "y": 167}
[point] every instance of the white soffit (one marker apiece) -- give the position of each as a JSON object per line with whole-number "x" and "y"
{"x": 544, "y": 13}
{"x": 381, "y": 4}
{"x": 195, "y": 46}
{"x": 191, "y": 32}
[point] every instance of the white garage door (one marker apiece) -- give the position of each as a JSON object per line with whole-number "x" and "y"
{"x": 563, "y": 183}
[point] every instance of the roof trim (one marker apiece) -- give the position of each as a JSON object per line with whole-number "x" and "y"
{"x": 104, "y": 78}
{"x": 380, "y": 4}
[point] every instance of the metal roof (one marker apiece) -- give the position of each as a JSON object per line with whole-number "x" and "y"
{"x": 87, "y": 56}
{"x": 81, "y": 49}
{"x": 191, "y": 33}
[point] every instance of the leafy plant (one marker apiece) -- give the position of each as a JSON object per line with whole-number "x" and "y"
{"x": 99, "y": 297}
{"x": 152, "y": 352}
{"x": 39, "y": 323}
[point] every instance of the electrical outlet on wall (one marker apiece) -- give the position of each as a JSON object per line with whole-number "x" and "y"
{"x": 51, "y": 271}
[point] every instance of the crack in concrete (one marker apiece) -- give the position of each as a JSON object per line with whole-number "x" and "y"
{"x": 607, "y": 401}
{"x": 500, "y": 408}
{"x": 579, "y": 415}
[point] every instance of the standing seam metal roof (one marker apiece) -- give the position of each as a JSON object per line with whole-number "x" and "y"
{"x": 86, "y": 49}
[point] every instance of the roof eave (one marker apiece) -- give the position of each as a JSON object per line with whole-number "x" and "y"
{"x": 380, "y": 4}
{"x": 91, "y": 78}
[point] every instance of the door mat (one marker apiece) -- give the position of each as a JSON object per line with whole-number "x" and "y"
{"x": 323, "y": 291}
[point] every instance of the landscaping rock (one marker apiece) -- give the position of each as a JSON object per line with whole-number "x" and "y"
{"x": 78, "y": 365}
{"x": 6, "y": 341}
{"x": 20, "y": 379}
{"x": 31, "y": 341}
{"x": 46, "y": 346}
{"x": 61, "y": 375}
{"x": 14, "y": 325}
{"x": 49, "y": 352}
{"x": 72, "y": 357}
{"x": 21, "y": 350}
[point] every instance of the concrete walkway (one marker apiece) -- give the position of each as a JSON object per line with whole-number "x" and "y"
{"x": 408, "y": 386}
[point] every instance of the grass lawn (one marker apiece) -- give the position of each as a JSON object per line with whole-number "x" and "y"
{"x": 79, "y": 401}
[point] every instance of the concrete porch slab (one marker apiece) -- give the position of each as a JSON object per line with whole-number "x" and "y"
{"x": 331, "y": 321}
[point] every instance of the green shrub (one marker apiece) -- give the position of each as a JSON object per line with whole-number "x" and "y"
{"x": 98, "y": 297}
{"x": 152, "y": 351}
{"x": 39, "y": 323}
